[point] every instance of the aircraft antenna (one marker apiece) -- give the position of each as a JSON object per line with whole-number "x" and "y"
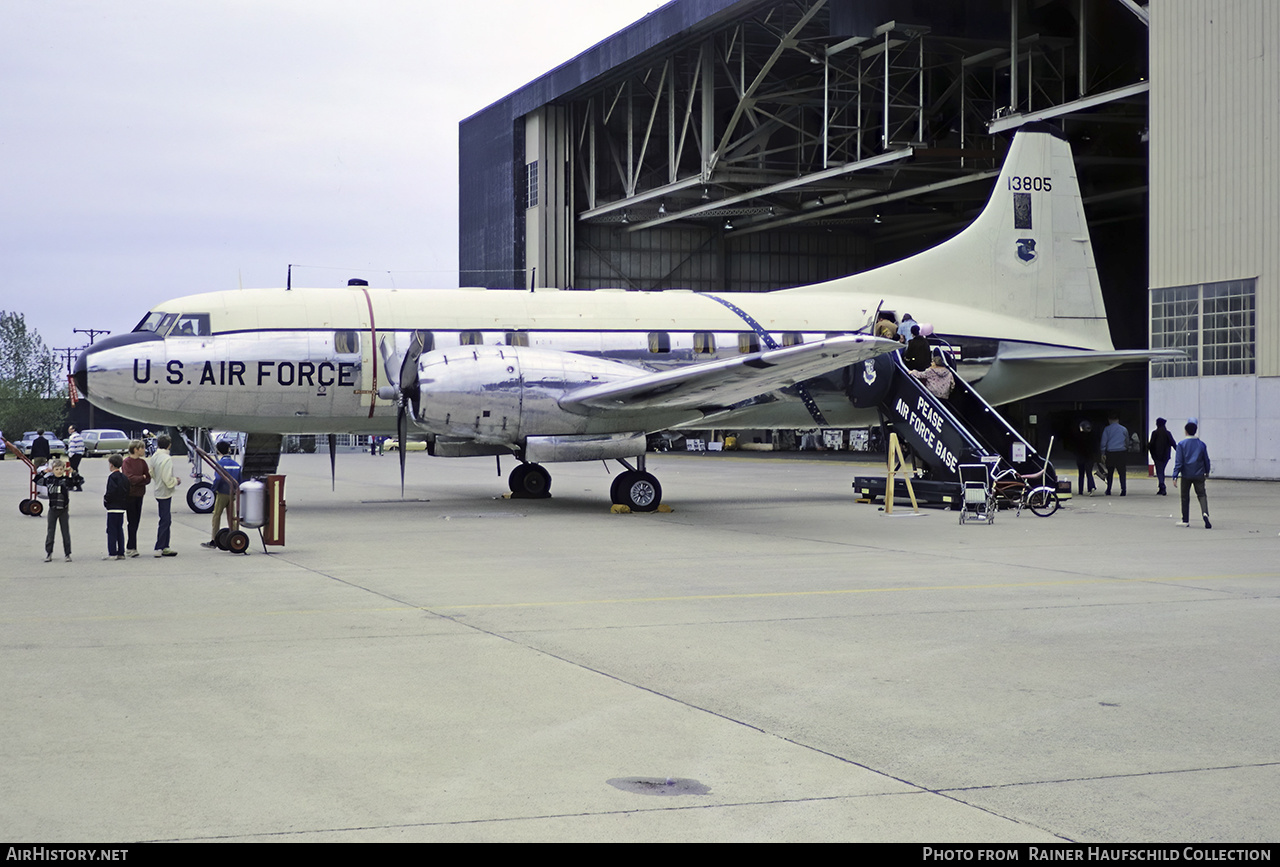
{"x": 288, "y": 280}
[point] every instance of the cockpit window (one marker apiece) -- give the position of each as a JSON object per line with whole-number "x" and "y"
{"x": 191, "y": 325}
{"x": 150, "y": 322}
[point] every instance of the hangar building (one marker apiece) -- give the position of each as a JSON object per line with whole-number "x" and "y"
{"x": 759, "y": 144}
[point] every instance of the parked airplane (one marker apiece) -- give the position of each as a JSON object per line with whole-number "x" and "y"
{"x": 555, "y": 375}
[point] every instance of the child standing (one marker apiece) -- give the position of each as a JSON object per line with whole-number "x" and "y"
{"x": 116, "y": 500}
{"x": 59, "y": 488}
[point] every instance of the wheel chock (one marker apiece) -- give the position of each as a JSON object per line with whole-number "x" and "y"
{"x": 618, "y": 509}
{"x": 663, "y": 508}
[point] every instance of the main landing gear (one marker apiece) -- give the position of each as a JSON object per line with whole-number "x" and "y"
{"x": 636, "y": 489}
{"x": 530, "y": 481}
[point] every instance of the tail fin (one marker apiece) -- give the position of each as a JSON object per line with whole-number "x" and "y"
{"x": 1027, "y": 257}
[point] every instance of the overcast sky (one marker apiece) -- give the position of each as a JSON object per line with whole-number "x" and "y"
{"x": 157, "y": 148}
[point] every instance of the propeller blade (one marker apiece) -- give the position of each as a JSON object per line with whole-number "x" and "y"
{"x": 409, "y": 364}
{"x": 391, "y": 364}
{"x": 402, "y": 431}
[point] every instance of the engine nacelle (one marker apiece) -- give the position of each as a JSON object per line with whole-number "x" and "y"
{"x": 505, "y": 394}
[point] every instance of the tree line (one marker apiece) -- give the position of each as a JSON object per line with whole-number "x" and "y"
{"x": 32, "y": 395}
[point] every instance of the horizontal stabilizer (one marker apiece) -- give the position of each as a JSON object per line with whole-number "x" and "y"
{"x": 726, "y": 381}
{"x": 1092, "y": 357}
{"x": 1024, "y": 372}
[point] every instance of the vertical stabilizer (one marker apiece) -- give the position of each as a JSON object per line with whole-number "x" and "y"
{"x": 1027, "y": 257}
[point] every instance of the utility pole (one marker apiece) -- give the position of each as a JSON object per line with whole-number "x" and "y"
{"x": 92, "y": 332}
{"x": 68, "y": 353}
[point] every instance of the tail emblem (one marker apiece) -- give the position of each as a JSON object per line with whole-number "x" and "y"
{"x": 869, "y": 371}
{"x": 1027, "y": 249}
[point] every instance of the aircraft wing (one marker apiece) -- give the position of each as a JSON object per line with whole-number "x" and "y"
{"x": 726, "y": 381}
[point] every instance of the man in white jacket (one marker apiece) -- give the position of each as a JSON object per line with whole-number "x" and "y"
{"x": 165, "y": 483}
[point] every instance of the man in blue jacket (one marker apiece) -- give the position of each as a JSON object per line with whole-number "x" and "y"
{"x": 1191, "y": 461}
{"x": 1115, "y": 451}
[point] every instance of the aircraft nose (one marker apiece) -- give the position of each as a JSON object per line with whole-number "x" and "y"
{"x": 81, "y": 372}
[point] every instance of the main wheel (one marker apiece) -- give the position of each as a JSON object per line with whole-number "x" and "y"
{"x": 238, "y": 542}
{"x": 1043, "y": 501}
{"x": 35, "y": 508}
{"x": 530, "y": 480}
{"x": 200, "y": 498}
{"x": 515, "y": 480}
{"x": 638, "y": 491}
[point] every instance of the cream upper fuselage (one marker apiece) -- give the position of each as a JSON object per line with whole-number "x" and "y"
{"x": 313, "y": 360}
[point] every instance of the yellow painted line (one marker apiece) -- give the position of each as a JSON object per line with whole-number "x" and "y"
{"x": 651, "y": 599}
{"x": 849, "y": 591}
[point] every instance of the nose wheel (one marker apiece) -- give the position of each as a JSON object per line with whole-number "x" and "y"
{"x": 200, "y": 498}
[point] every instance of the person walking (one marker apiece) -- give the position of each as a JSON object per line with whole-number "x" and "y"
{"x": 39, "y": 451}
{"x": 59, "y": 493}
{"x": 1082, "y": 444}
{"x": 1160, "y": 446}
{"x": 166, "y": 481}
{"x": 1191, "y": 461}
{"x": 139, "y": 474}
{"x": 1115, "y": 444}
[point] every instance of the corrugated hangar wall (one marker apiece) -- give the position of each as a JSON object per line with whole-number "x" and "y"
{"x": 1215, "y": 218}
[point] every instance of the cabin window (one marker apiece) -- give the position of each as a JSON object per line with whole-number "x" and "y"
{"x": 346, "y": 342}
{"x": 470, "y": 338}
{"x": 659, "y": 342}
{"x": 423, "y": 341}
{"x": 704, "y": 343}
{"x": 517, "y": 338}
{"x": 792, "y": 338}
{"x": 191, "y": 325}
{"x": 748, "y": 342}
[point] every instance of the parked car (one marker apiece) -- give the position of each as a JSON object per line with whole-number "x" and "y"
{"x": 56, "y": 446}
{"x": 105, "y": 441}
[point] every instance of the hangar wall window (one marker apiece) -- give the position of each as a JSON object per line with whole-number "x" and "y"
{"x": 659, "y": 341}
{"x": 1213, "y": 323}
{"x": 470, "y": 338}
{"x": 792, "y": 338}
{"x": 748, "y": 342}
{"x": 704, "y": 343}
{"x": 531, "y": 184}
{"x": 517, "y": 338}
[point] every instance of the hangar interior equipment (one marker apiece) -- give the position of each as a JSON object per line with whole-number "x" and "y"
{"x": 756, "y": 145}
